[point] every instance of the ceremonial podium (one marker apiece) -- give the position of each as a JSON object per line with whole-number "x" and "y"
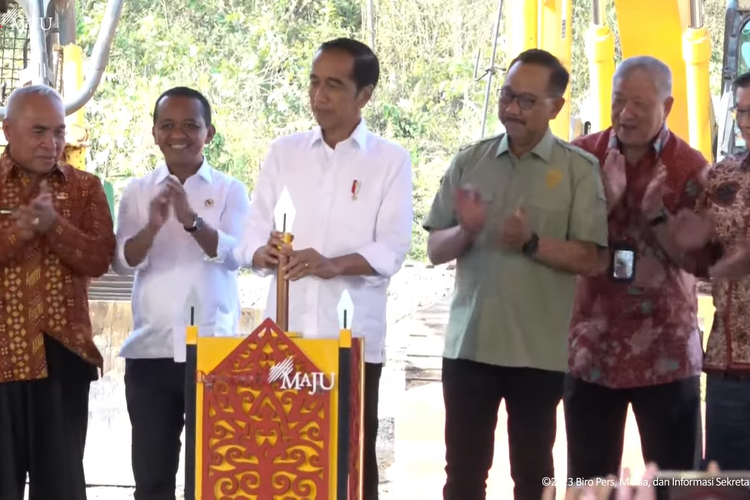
{"x": 274, "y": 416}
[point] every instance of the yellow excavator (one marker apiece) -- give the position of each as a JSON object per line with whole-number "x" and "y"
{"x": 671, "y": 30}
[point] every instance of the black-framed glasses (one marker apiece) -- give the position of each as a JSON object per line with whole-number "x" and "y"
{"x": 525, "y": 101}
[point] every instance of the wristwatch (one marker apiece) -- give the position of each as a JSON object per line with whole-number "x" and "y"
{"x": 659, "y": 219}
{"x": 530, "y": 247}
{"x": 197, "y": 224}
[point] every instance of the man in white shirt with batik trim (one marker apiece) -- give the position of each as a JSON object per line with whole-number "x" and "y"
{"x": 352, "y": 196}
{"x": 177, "y": 230}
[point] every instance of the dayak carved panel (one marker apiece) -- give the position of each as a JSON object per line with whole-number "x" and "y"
{"x": 262, "y": 442}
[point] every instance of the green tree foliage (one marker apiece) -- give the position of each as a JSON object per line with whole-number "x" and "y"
{"x": 252, "y": 58}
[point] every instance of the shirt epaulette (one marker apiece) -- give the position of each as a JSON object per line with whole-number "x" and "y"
{"x": 480, "y": 141}
{"x": 579, "y": 151}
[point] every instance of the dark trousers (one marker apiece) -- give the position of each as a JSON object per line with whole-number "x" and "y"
{"x": 43, "y": 425}
{"x": 472, "y": 393}
{"x": 728, "y": 422}
{"x": 155, "y": 394}
{"x": 668, "y": 417}
{"x": 370, "y": 475}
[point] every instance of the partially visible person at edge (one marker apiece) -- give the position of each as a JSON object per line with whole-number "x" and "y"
{"x": 636, "y": 341}
{"x": 55, "y": 235}
{"x": 522, "y": 213}
{"x": 176, "y": 231}
{"x": 723, "y": 231}
{"x": 352, "y": 194}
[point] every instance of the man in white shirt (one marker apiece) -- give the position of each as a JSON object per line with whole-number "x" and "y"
{"x": 177, "y": 230}
{"x": 352, "y": 196}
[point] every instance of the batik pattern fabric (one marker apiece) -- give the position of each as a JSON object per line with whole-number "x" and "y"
{"x": 727, "y": 201}
{"x": 44, "y": 281}
{"x": 645, "y": 332}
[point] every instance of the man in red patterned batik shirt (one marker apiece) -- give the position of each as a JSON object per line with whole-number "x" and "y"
{"x": 724, "y": 206}
{"x": 55, "y": 234}
{"x": 634, "y": 336}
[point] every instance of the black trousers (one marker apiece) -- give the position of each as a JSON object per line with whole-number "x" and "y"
{"x": 43, "y": 425}
{"x": 728, "y": 421}
{"x": 668, "y": 417}
{"x": 472, "y": 393}
{"x": 371, "y": 479}
{"x": 155, "y": 393}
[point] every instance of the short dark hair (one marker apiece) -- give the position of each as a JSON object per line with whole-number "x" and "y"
{"x": 558, "y": 80}
{"x": 366, "y": 65}
{"x": 190, "y": 93}
{"x": 741, "y": 82}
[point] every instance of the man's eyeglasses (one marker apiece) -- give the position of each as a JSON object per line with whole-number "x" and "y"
{"x": 525, "y": 101}
{"x": 739, "y": 112}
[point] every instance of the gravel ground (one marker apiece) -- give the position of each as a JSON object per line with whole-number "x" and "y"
{"x": 417, "y": 285}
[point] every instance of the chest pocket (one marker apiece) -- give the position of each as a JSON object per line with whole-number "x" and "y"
{"x": 548, "y": 202}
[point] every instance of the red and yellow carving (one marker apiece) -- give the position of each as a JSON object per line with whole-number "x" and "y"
{"x": 257, "y": 441}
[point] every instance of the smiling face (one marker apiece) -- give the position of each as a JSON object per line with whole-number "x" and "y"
{"x": 180, "y": 130}
{"x": 639, "y": 108}
{"x": 35, "y": 131}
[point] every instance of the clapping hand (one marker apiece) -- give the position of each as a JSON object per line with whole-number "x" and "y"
{"x": 39, "y": 216}
{"x": 653, "y": 199}
{"x": 614, "y": 177}
{"x": 515, "y": 231}
{"x": 471, "y": 211}
{"x": 689, "y": 231}
{"x": 183, "y": 212}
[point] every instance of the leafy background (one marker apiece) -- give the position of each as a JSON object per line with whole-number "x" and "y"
{"x": 251, "y": 58}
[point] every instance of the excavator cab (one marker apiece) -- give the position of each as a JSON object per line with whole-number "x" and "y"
{"x": 736, "y": 62}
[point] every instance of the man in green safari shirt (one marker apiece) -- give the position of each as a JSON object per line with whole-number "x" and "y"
{"x": 523, "y": 213}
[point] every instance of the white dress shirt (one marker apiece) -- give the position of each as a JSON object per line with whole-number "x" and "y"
{"x": 177, "y": 274}
{"x": 377, "y": 225}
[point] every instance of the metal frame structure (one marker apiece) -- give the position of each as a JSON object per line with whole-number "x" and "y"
{"x": 51, "y": 23}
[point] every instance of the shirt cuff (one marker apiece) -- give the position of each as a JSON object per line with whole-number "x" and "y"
{"x": 381, "y": 258}
{"x": 224, "y": 248}
{"x": 121, "y": 265}
{"x": 244, "y": 254}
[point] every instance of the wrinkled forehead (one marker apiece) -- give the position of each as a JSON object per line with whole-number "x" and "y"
{"x": 638, "y": 84}
{"x": 523, "y": 78}
{"x": 332, "y": 64}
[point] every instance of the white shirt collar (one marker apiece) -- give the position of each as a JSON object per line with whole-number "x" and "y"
{"x": 162, "y": 172}
{"x": 359, "y": 135}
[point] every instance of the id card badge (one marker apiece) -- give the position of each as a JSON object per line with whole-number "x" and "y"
{"x": 622, "y": 267}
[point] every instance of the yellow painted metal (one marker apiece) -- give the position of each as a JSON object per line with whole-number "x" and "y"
{"x": 323, "y": 352}
{"x": 191, "y": 335}
{"x": 345, "y": 338}
{"x": 522, "y": 24}
{"x": 556, "y": 37}
{"x": 600, "y": 50}
{"x": 76, "y": 136}
{"x": 649, "y": 27}
{"x": 544, "y": 24}
{"x": 696, "y": 45}
{"x": 73, "y": 79}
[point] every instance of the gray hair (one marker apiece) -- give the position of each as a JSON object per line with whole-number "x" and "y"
{"x": 653, "y": 67}
{"x": 16, "y": 97}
